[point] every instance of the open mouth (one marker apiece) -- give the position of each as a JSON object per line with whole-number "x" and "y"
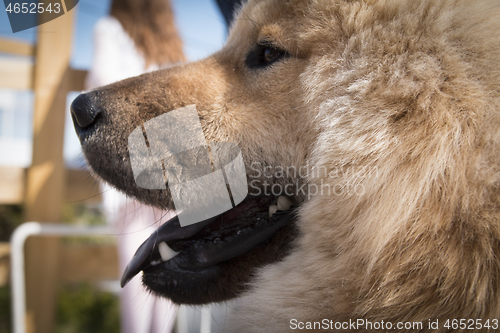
{"x": 214, "y": 259}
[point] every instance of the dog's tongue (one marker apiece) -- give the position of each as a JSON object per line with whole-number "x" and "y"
{"x": 169, "y": 231}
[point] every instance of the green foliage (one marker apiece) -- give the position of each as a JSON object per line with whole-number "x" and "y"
{"x": 83, "y": 309}
{"x": 88, "y": 214}
{"x": 85, "y": 214}
{"x": 10, "y": 217}
{"x": 5, "y": 314}
{"x": 73, "y": 213}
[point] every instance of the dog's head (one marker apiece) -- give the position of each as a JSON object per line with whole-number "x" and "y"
{"x": 312, "y": 92}
{"x": 250, "y": 94}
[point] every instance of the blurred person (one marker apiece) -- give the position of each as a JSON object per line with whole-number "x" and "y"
{"x": 138, "y": 36}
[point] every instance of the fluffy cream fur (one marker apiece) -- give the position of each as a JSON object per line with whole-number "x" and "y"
{"x": 394, "y": 107}
{"x": 404, "y": 96}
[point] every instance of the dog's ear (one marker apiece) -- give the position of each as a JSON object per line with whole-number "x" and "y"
{"x": 229, "y": 9}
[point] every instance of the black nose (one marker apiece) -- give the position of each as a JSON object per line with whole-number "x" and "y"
{"x": 84, "y": 112}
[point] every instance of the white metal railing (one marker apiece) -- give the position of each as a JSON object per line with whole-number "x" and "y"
{"x": 28, "y": 229}
{"x": 17, "y": 241}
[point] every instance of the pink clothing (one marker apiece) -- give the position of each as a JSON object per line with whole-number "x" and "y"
{"x": 116, "y": 58}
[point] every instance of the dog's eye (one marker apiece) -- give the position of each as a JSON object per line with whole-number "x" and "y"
{"x": 264, "y": 55}
{"x": 269, "y": 55}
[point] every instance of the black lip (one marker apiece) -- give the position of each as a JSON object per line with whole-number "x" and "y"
{"x": 202, "y": 254}
{"x": 171, "y": 230}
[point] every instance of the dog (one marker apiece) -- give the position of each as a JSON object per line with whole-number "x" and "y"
{"x": 375, "y": 122}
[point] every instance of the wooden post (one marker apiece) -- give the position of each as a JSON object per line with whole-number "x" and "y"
{"x": 45, "y": 179}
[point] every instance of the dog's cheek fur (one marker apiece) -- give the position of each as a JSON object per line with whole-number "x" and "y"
{"x": 411, "y": 120}
{"x": 394, "y": 106}
{"x": 228, "y": 102}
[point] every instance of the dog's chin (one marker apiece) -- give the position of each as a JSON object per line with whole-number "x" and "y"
{"x": 121, "y": 177}
{"x": 213, "y": 260}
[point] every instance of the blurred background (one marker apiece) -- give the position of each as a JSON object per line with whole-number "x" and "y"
{"x": 72, "y": 283}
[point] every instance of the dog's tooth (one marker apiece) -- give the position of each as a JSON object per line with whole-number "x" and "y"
{"x": 272, "y": 209}
{"x": 156, "y": 262}
{"x": 283, "y": 203}
{"x": 166, "y": 252}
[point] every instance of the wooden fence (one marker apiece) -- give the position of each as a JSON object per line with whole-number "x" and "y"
{"x": 47, "y": 184}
